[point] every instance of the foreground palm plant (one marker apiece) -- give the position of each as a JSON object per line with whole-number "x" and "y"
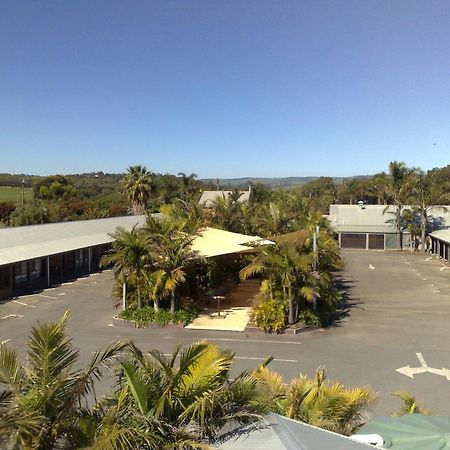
{"x": 193, "y": 398}
{"x": 42, "y": 400}
{"x": 318, "y": 402}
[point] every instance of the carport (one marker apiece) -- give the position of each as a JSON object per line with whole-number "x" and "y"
{"x": 440, "y": 244}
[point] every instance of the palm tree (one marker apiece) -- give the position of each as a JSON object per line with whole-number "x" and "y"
{"x": 427, "y": 194}
{"x": 287, "y": 267}
{"x": 229, "y": 212}
{"x": 44, "y": 399}
{"x": 189, "y": 183}
{"x": 400, "y": 177}
{"x": 130, "y": 254}
{"x": 137, "y": 185}
{"x": 318, "y": 402}
{"x": 195, "y": 394}
{"x": 171, "y": 241}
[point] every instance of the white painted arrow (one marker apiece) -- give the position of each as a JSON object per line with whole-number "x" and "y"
{"x": 411, "y": 371}
{"x": 371, "y": 267}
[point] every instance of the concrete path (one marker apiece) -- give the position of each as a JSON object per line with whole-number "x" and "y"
{"x": 232, "y": 319}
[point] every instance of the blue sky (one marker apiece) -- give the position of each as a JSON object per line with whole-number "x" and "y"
{"x": 224, "y": 88}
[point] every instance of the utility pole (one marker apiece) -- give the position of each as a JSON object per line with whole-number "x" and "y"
{"x": 23, "y": 192}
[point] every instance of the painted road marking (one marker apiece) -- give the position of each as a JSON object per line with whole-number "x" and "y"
{"x": 424, "y": 279}
{"x": 443, "y": 268}
{"x": 371, "y": 267}
{"x": 12, "y": 316}
{"x": 430, "y": 284}
{"x": 436, "y": 291}
{"x": 46, "y": 296}
{"x": 5, "y": 341}
{"x": 62, "y": 293}
{"x": 23, "y": 304}
{"x": 253, "y": 340}
{"x": 254, "y": 358}
{"x": 411, "y": 371}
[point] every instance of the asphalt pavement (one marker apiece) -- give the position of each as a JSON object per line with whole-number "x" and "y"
{"x": 397, "y": 317}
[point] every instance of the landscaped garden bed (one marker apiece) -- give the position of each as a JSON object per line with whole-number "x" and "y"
{"x": 148, "y": 317}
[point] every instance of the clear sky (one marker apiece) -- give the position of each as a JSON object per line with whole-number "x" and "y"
{"x": 224, "y": 88}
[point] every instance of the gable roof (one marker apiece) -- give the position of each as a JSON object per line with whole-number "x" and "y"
{"x": 209, "y": 197}
{"x": 280, "y": 433}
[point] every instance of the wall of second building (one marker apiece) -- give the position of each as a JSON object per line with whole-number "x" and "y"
{"x": 372, "y": 241}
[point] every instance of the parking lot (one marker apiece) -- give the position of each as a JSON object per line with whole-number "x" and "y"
{"x": 398, "y": 318}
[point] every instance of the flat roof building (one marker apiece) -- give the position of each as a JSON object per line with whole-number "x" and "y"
{"x": 372, "y": 227}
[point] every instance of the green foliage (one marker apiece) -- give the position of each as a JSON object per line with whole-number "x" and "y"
{"x": 310, "y": 318}
{"x": 409, "y": 404}
{"x": 162, "y": 317}
{"x": 43, "y": 399}
{"x": 316, "y": 401}
{"x": 270, "y": 315}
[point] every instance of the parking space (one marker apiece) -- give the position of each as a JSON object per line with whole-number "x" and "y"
{"x": 398, "y": 318}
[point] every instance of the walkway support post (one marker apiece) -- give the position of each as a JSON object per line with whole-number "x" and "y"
{"x": 124, "y": 292}
{"x": 48, "y": 271}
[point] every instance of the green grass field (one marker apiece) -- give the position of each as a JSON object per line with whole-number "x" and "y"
{"x": 14, "y": 194}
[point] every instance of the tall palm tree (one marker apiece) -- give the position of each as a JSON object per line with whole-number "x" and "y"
{"x": 137, "y": 185}
{"x": 287, "y": 267}
{"x": 400, "y": 177}
{"x": 44, "y": 399}
{"x": 318, "y": 402}
{"x": 189, "y": 184}
{"x": 130, "y": 254}
{"x": 171, "y": 249}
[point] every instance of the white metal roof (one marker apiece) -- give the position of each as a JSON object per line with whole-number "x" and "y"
{"x": 443, "y": 235}
{"x": 209, "y": 197}
{"x": 36, "y": 241}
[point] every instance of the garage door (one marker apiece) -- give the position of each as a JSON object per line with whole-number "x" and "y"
{"x": 353, "y": 241}
{"x": 376, "y": 241}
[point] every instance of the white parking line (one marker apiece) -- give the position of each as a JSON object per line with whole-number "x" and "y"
{"x": 254, "y": 341}
{"x": 62, "y": 293}
{"x": 23, "y": 304}
{"x": 46, "y": 296}
{"x": 5, "y": 341}
{"x": 254, "y": 358}
{"x": 11, "y": 316}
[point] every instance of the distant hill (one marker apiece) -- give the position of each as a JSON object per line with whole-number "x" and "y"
{"x": 272, "y": 182}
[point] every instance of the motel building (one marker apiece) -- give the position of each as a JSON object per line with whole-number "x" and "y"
{"x": 36, "y": 257}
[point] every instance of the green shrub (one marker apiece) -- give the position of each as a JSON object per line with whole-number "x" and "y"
{"x": 161, "y": 317}
{"x": 270, "y": 315}
{"x": 310, "y": 318}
